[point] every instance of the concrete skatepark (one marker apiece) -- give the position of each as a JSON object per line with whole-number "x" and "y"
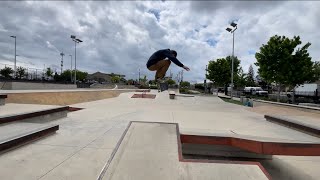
{"x": 120, "y": 137}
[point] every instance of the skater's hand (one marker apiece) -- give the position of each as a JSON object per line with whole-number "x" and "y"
{"x": 186, "y": 68}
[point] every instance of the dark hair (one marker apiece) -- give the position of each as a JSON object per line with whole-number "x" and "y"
{"x": 174, "y": 53}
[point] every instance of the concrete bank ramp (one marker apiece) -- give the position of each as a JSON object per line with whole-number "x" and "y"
{"x": 60, "y": 97}
{"x": 153, "y": 151}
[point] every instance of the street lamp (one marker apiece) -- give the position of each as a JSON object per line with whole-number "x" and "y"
{"x": 15, "y": 55}
{"x": 71, "y": 66}
{"x": 232, "y": 30}
{"x": 73, "y": 37}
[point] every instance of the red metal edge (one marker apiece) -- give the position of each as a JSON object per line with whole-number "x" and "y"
{"x": 71, "y": 109}
{"x": 183, "y": 138}
{"x": 147, "y": 96}
{"x": 268, "y": 148}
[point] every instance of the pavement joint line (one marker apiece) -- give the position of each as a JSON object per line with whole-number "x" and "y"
{"x": 172, "y": 117}
{"x": 76, "y": 152}
{"x": 52, "y": 145}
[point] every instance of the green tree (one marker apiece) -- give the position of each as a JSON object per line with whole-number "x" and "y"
{"x": 185, "y": 84}
{"x": 143, "y": 80}
{"x": 316, "y": 70}
{"x": 219, "y": 71}
{"x": 21, "y": 72}
{"x": 279, "y": 62}
{"x": 130, "y": 81}
{"x": 49, "y": 72}
{"x": 66, "y": 75}
{"x": 81, "y": 75}
{"x": 171, "y": 82}
{"x": 250, "y": 77}
{"x": 6, "y": 72}
{"x": 240, "y": 79}
{"x": 115, "y": 79}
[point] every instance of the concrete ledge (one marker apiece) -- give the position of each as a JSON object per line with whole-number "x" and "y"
{"x": 138, "y": 156}
{"x": 172, "y": 94}
{"x": 2, "y": 99}
{"x": 143, "y": 90}
{"x": 314, "y": 109}
{"x": 298, "y": 125}
{"x": 54, "y": 113}
{"x": 20, "y": 139}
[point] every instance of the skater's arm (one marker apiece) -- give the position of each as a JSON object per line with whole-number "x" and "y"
{"x": 173, "y": 59}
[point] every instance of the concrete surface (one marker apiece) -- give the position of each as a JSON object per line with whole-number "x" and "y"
{"x": 150, "y": 151}
{"x": 92, "y": 133}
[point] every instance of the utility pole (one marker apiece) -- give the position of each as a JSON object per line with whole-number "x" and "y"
{"x": 15, "y": 55}
{"x": 71, "y": 67}
{"x": 139, "y": 75}
{"x": 61, "y": 54}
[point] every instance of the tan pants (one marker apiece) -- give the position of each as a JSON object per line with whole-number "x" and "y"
{"x": 161, "y": 67}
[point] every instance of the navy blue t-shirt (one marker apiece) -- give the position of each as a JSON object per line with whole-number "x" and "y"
{"x": 162, "y": 54}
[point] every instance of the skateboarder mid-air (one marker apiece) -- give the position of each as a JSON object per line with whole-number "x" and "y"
{"x": 161, "y": 60}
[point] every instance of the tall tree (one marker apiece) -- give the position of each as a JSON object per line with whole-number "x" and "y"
{"x": 115, "y": 79}
{"x": 250, "y": 77}
{"x": 49, "y": 72}
{"x": 21, "y": 72}
{"x": 219, "y": 71}
{"x": 316, "y": 70}
{"x": 279, "y": 62}
{"x": 7, "y": 72}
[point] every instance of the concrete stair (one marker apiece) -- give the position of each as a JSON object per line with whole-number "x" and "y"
{"x": 32, "y": 122}
{"x": 303, "y": 124}
{"x": 13, "y": 135}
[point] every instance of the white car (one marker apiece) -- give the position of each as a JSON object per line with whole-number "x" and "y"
{"x": 255, "y": 91}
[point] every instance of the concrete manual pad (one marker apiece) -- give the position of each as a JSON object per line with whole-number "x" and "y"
{"x": 15, "y": 109}
{"x": 152, "y": 151}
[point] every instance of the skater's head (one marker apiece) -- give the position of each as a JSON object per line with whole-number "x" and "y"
{"x": 174, "y": 53}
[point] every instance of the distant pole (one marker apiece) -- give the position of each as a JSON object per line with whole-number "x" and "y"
{"x": 75, "y": 62}
{"x": 71, "y": 67}
{"x": 139, "y": 75}
{"x": 73, "y": 37}
{"x": 15, "y": 55}
{"x": 61, "y": 54}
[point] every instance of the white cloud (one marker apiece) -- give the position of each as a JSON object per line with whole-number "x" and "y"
{"x": 119, "y": 36}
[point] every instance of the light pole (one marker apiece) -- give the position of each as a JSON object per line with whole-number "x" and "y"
{"x": 73, "y": 37}
{"x": 232, "y": 30}
{"x": 15, "y": 55}
{"x": 71, "y": 67}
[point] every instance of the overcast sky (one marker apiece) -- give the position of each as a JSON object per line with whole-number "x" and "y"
{"x": 119, "y": 37}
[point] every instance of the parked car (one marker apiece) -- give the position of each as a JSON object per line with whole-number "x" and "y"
{"x": 255, "y": 91}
